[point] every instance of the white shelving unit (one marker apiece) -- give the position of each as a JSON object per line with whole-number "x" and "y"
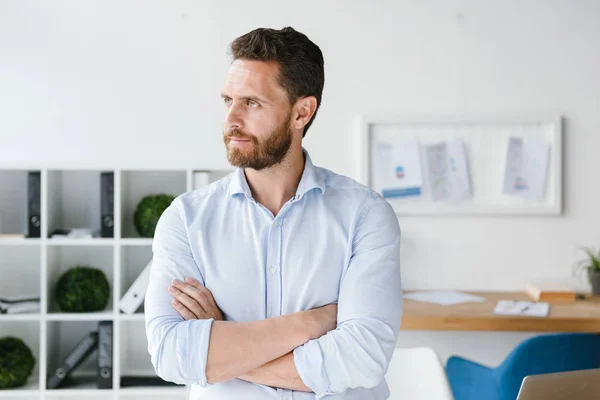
{"x": 31, "y": 266}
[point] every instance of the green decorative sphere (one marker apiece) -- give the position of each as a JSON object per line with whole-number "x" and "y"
{"x": 148, "y": 212}
{"x": 82, "y": 289}
{"x": 16, "y": 362}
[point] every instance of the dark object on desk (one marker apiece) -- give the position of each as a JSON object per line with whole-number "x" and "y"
{"x": 105, "y": 358}
{"x": 538, "y": 355}
{"x": 82, "y": 289}
{"x": 148, "y": 211}
{"x": 16, "y": 362}
{"x": 580, "y": 385}
{"x": 34, "y": 204}
{"x": 129, "y": 381}
{"x": 80, "y": 352}
{"x": 107, "y": 204}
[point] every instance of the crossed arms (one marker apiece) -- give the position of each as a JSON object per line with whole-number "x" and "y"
{"x": 308, "y": 350}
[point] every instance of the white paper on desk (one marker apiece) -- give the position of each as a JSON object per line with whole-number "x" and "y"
{"x": 526, "y": 308}
{"x": 397, "y": 168}
{"x": 448, "y": 171}
{"x": 526, "y": 168}
{"x": 444, "y": 298}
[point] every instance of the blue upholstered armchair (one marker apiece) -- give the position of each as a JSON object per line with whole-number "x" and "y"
{"x": 537, "y": 355}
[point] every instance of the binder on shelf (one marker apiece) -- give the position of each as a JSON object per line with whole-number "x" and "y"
{"x": 134, "y": 297}
{"x": 105, "y": 354}
{"x": 107, "y": 204}
{"x": 34, "y": 204}
{"x": 80, "y": 352}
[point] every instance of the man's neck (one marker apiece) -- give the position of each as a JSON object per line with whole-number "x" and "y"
{"x": 273, "y": 187}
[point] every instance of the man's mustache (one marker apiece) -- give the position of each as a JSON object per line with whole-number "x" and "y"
{"x": 239, "y": 135}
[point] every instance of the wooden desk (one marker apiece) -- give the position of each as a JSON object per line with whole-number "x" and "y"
{"x": 581, "y": 316}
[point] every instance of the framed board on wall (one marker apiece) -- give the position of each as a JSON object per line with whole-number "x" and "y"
{"x": 488, "y": 143}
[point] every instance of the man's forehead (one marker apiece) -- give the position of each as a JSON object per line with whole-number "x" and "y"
{"x": 252, "y": 75}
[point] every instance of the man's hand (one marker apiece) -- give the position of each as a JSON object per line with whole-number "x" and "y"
{"x": 194, "y": 301}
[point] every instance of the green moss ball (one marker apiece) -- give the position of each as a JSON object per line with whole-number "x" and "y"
{"x": 16, "y": 362}
{"x": 148, "y": 212}
{"x": 82, "y": 289}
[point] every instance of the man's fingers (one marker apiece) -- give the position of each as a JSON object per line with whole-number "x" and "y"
{"x": 187, "y": 300}
{"x": 202, "y": 289}
{"x": 182, "y": 310}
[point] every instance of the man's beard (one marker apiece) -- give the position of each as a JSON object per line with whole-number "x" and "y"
{"x": 263, "y": 154}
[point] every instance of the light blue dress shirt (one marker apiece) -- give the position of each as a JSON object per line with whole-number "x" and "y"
{"x": 335, "y": 241}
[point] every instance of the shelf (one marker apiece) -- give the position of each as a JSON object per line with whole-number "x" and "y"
{"x": 136, "y": 241}
{"x": 29, "y": 332}
{"x": 133, "y": 261}
{"x": 78, "y": 386}
{"x": 137, "y": 184}
{"x": 80, "y": 242}
{"x": 15, "y": 241}
{"x": 14, "y": 191}
{"x": 156, "y": 391}
{"x": 31, "y": 390}
{"x": 132, "y": 317}
{"x": 20, "y": 264}
{"x": 20, "y": 317}
{"x": 135, "y": 359}
{"x": 89, "y": 316}
{"x": 73, "y": 200}
{"x": 62, "y": 258}
{"x": 62, "y": 338}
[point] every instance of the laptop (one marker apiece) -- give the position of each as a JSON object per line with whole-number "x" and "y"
{"x": 572, "y": 385}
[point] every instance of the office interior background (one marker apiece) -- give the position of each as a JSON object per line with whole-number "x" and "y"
{"x": 135, "y": 86}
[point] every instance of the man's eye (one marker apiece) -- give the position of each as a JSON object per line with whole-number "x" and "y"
{"x": 226, "y": 100}
{"x": 252, "y": 103}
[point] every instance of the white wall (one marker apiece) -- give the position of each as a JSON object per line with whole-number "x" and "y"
{"x": 135, "y": 83}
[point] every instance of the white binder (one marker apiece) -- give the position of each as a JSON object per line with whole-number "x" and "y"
{"x": 134, "y": 297}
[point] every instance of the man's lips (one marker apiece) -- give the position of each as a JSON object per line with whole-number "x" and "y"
{"x": 236, "y": 139}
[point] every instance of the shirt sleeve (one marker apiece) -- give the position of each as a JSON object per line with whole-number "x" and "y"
{"x": 357, "y": 353}
{"x": 178, "y": 348}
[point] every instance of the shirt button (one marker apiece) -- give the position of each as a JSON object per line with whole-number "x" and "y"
{"x": 273, "y": 270}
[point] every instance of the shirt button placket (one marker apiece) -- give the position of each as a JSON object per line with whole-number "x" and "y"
{"x": 273, "y": 281}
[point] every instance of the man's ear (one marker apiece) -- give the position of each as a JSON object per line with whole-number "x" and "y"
{"x": 305, "y": 109}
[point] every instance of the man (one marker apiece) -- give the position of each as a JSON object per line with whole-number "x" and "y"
{"x": 281, "y": 280}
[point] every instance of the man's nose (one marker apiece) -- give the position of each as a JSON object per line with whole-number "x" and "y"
{"x": 233, "y": 118}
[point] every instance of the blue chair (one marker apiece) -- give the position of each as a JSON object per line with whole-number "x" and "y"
{"x": 538, "y": 355}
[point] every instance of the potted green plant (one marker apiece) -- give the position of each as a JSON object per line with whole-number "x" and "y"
{"x": 591, "y": 266}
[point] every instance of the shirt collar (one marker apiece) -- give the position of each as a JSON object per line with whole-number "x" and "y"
{"x": 311, "y": 178}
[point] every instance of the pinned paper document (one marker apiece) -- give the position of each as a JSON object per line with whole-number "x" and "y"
{"x": 526, "y": 168}
{"x": 448, "y": 173}
{"x": 397, "y": 168}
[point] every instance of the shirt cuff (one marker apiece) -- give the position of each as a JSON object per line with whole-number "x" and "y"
{"x": 192, "y": 349}
{"x": 310, "y": 365}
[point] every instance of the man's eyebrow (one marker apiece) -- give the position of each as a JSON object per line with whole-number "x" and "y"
{"x": 253, "y": 98}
